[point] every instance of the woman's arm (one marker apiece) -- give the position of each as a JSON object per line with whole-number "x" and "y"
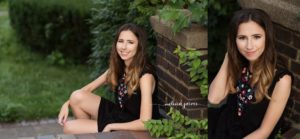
{"x": 96, "y": 83}
{"x": 147, "y": 85}
{"x": 275, "y": 109}
{"x": 218, "y": 89}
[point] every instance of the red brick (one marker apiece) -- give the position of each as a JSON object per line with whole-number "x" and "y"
{"x": 171, "y": 80}
{"x": 162, "y": 62}
{"x": 282, "y": 60}
{"x": 170, "y": 45}
{"x": 296, "y": 117}
{"x": 282, "y": 34}
{"x": 187, "y": 79}
{"x": 172, "y": 58}
{"x": 286, "y": 50}
{"x": 160, "y": 73}
{"x": 295, "y": 68}
{"x": 194, "y": 93}
{"x": 169, "y": 90}
{"x": 171, "y": 68}
{"x": 295, "y": 95}
{"x": 182, "y": 89}
{"x": 296, "y": 82}
{"x": 160, "y": 40}
{"x": 296, "y": 40}
{"x": 297, "y": 106}
{"x": 194, "y": 113}
{"x": 160, "y": 51}
{"x": 183, "y": 76}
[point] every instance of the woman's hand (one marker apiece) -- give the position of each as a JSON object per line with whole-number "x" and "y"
{"x": 63, "y": 114}
{"x": 107, "y": 128}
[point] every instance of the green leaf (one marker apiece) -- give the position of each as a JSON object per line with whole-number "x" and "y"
{"x": 157, "y": 134}
{"x": 196, "y": 63}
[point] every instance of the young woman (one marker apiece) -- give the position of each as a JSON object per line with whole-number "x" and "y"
{"x": 133, "y": 82}
{"x": 255, "y": 88}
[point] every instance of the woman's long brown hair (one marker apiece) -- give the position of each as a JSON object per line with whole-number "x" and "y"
{"x": 264, "y": 66}
{"x": 117, "y": 65}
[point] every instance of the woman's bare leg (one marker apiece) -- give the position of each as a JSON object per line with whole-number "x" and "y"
{"x": 80, "y": 126}
{"x": 85, "y": 105}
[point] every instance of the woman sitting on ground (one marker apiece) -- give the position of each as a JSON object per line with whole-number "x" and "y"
{"x": 133, "y": 82}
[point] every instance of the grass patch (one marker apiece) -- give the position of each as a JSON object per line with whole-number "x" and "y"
{"x": 3, "y": 5}
{"x": 31, "y": 88}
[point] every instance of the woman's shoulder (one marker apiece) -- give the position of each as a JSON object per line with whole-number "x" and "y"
{"x": 281, "y": 72}
{"x": 148, "y": 69}
{"x": 282, "y": 75}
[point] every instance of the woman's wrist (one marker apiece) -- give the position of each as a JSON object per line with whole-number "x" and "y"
{"x": 84, "y": 89}
{"x": 67, "y": 102}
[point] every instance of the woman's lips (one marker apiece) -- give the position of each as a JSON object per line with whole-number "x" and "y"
{"x": 124, "y": 54}
{"x": 250, "y": 53}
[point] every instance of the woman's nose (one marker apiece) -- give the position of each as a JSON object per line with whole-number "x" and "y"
{"x": 124, "y": 45}
{"x": 249, "y": 45}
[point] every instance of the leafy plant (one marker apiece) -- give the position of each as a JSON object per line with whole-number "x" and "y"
{"x": 56, "y": 58}
{"x": 46, "y": 26}
{"x": 197, "y": 68}
{"x": 178, "y": 127}
{"x": 195, "y": 11}
{"x": 107, "y": 17}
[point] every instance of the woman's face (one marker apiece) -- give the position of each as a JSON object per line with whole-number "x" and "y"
{"x": 250, "y": 40}
{"x": 127, "y": 46}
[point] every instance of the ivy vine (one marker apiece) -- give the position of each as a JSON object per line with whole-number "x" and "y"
{"x": 195, "y": 11}
{"x": 197, "y": 68}
{"x": 178, "y": 127}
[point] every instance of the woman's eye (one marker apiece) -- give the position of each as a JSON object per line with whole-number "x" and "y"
{"x": 131, "y": 42}
{"x": 120, "y": 41}
{"x": 257, "y": 37}
{"x": 242, "y": 38}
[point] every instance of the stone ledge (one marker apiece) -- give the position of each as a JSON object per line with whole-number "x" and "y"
{"x": 281, "y": 11}
{"x": 102, "y": 135}
{"x": 193, "y": 37}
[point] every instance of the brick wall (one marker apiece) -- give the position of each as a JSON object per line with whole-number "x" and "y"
{"x": 288, "y": 48}
{"x": 287, "y": 34}
{"x": 175, "y": 88}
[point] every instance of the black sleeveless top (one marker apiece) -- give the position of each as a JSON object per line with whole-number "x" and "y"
{"x": 232, "y": 126}
{"x": 129, "y": 109}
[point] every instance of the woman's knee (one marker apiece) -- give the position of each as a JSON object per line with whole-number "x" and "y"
{"x": 69, "y": 128}
{"x": 77, "y": 96}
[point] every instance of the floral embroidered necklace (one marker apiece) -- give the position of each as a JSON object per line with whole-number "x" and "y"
{"x": 245, "y": 93}
{"x": 122, "y": 91}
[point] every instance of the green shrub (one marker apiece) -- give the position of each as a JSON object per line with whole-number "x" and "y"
{"x": 53, "y": 25}
{"x": 108, "y": 16}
